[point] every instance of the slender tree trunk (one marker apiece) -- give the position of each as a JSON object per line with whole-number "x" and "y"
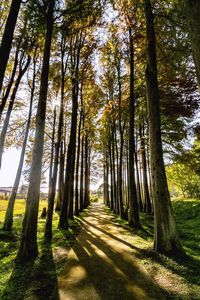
{"x": 61, "y": 179}
{"x": 52, "y": 149}
{"x": 86, "y": 197}
{"x": 9, "y": 212}
{"x": 7, "y": 38}
{"x": 82, "y": 168}
{"x": 77, "y": 169}
{"x": 121, "y": 147}
{"x": 60, "y": 130}
{"x": 111, "y": 175}
{"x": 116, "y": 207}
{"x": 166, "y": 239}
{"x": 67, "y": 205}
{"x": 52, "y": 190}
{"x": 133, "y": 217}
{"x": 105, "y": 182}
{"x": 22, "y": 71}
{"x": 147, "y": 201}
{"x": 28, "y": 247}
{"x": 138, "y": 182}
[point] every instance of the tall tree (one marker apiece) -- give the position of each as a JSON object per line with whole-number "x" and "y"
{"x": 133, "y": 203}
{"x": 166, "y": 239}
{"x": 28, "y": 247}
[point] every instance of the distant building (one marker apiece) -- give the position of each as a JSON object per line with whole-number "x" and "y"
{"x": 5, "y": 191}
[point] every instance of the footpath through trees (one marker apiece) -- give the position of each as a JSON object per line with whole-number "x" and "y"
{"x": 101, "y": 265}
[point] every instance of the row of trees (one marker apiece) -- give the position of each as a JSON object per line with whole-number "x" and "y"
{"x": 50, "y": 49}
{"x": 58, "y": 56}
{"x": 162, "y": 96}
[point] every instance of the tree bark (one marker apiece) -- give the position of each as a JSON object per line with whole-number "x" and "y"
{"x": 82, "y": 168}
{"x": 7, "y": 38}
{"x": 86, "y": 196}
{"x": 28, "y": 247}
{"x": 133, "y": 216}
{"x": 166, "y": 239}
{"x": 121, "y": 147}
{"x": 111, "y": 173}
{"x": 52, "y": 190}
{"x": 147, "y": 201}
{"x": 77, "y": 169}
{"x": 61, "y": 117}
{"x": 105, "y": 181}
{"x": 67, "y": 205}
{"x": 139, "y": 198}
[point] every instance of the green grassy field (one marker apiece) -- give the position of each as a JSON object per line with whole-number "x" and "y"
{"x": 38, "y": 278}
{"x": 178, "y": 277}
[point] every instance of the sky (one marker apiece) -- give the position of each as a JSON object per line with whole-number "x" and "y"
{"x": 9, "y": 167}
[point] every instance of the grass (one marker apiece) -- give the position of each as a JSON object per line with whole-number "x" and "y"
{"x": 178, "y": 277}
{"x": 36, "y": 280}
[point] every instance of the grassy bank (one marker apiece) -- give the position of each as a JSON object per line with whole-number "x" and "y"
{"x": 178, "y": 277}
{"x": 36, "y": 280}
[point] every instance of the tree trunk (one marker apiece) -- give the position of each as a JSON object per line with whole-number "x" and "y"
{"x": 52, "y": 190}
{"x": 22, "y": 71}
{"x": 60, "y": 130}
{"x": 28, "y": 247}
{"x": 67, "y": 205}
{"x": 6, "y": 42}
{"x": 121, "y": 147}
{"x": 138, "y": 181}
{"x": 133, "y": 216}
{"x": 147, "y": 201}
{"x": 166, "y": 238}
{"x": 111, "y": 175}
{"x": 86, "y": 197}
{"x": 77, "y": 168}
{"x": 61, "y": 179}
{"x": 9, "y": 211}
{"x": 115, "y": 200}
{"x": 105, "y": 181}
{"x": 82, "y": 168}
{"x": 52, "y": 149}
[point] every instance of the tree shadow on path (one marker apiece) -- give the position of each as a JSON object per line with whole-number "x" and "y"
{"x": 102, "y": 267}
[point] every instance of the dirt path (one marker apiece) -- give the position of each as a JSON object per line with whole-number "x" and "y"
{"x": 102, "y": 267}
